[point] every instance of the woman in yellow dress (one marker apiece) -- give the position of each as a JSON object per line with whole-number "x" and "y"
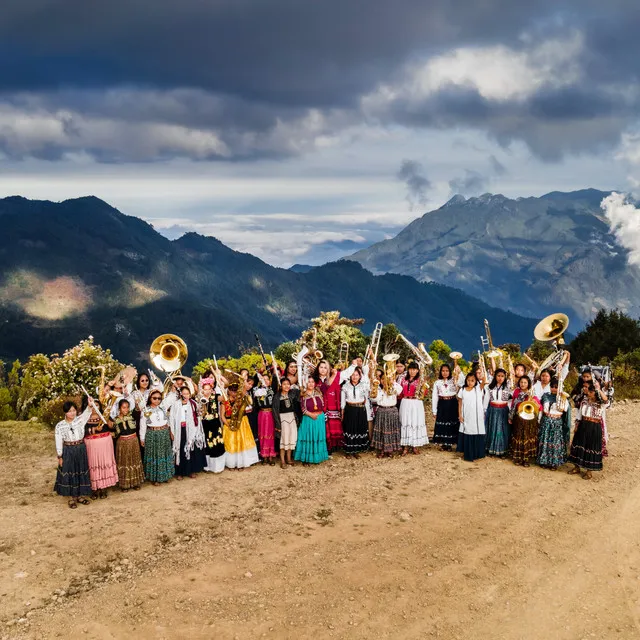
{"x": 239, "y": 443}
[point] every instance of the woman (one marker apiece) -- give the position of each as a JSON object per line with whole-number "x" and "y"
{"x": 291, "y": 373}
{"x": 130, "y": 470}
{"x": 554, "y": 428}
{"x": 72, "y": 477}
{"x": 328, "y": 381}
{"x": 312, "y": 438}
{"x": 157, "y": 439}
{"x": 496, "y": 402}
{"x": 587, "y": 444}
{"x": 543, "y": 385}
{"x": 212, "y": 426}
{"x": 524, "y": 431}
{"x": 188, "y": 436}
{"x": 239, "y": 444}
{"x": 355, "y": 425}
{"x": 413, "y": 427}
{"x": 263, "y": 397}
{"x": 286, "y": 410}
{"x": 386, "y": 426}
{"x": 471, "y": 436}
{"x": 100, "y": 452}
{"x": 445, "y": 409}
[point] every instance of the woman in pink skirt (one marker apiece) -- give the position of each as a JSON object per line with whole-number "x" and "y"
{"x": 263, "y": 396}
{"x": 102, "y": 461}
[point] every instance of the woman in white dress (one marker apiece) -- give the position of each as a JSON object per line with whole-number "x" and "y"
{"x": 471, "y": 437}
{"x": 413, "y": 427}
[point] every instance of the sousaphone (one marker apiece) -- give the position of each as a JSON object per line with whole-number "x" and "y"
{"x": 168, "y": 353}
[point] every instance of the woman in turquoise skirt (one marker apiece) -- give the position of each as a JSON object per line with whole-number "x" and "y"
{"x": 554, "y": 427}
{"x": 496, "y": 402}
{"x": 311, "y": 447}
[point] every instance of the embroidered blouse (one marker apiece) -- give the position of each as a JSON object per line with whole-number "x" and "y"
{"x": 156, "y": 418}
{"x": 497, "y": 395}
{"x": 312, "y": 404}
{"x": 591, "y": 410}
{"x": 124, "y": 426}
{"x": 442, "y": 389}
{"x": 549, "y": 405}
{"x": 73, "y": 431}
{"x": 354, "y": 394}
{"x": 409, "y": 389}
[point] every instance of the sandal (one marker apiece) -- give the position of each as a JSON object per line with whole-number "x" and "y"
{"x": 526, "y": 464}
{"x": 83, "y": 501}
{"x": 574, "y": 471}
{"x": 103, "y": 495}
{"x": 73, "y": 504}
{"x": 95, "y": 496}
{"x": 587, "y": 475}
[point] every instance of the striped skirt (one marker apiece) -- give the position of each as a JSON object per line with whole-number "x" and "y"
{"x": 386, "y": 430}
{"x": 130, "y": 471}
{"x": 447, "y": 424}
{"x": 586, "y": 447}
{"x": 524, "y": 439}
{"x": 158, "y": 455}
{"x": 72, "y": 479}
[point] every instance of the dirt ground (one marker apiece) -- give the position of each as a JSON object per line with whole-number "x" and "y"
{"x": 417, "y": 547}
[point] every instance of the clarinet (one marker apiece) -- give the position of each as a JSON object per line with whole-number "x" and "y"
{"x": 264, "y": 358}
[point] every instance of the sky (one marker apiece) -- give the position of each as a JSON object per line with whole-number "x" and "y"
{"x": 303, "y": 131}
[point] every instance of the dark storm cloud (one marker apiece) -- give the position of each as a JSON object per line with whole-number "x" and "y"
{"x": 240, "y": 79}
{"x": 412, "y": 174}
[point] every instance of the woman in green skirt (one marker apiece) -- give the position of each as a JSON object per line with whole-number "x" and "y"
{"x": 156, "y": 438}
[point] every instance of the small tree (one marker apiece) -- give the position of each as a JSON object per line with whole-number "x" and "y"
{"x": 7, "y": 412}
{"x": 609, "y": 333}
{"x": 331, "y": 331}
{"x": 286, "y": 351}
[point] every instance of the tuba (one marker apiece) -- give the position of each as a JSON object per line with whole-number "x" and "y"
{"x": 551, "y": 329}
{"x": 168, "y": 353}
{"x": 389, "y": 376}
{"x": 528, "y": 410}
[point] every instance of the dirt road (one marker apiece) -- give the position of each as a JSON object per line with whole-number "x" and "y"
{"x": 419, "y": 547}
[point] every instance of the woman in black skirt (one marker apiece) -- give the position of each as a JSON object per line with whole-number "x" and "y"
{"x": 586, "y": 447}
{"x": 355, "y": 426}
{"x": 72, "y": 478}
{"x": 188, "y": 436}
{"x": 212, "y": 426}
{"x": 444, "y": 404}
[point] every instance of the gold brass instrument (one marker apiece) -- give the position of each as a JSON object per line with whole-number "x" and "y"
{"x": 551, "y": 329}
{"x": 168, "y": 353}
{"x": 374, "y": 345}
{"x": 374, "y": 383}
{"x": 483, "y": 367}
{"x": 455, "y": 374}
{"x": 343, "y": 357}
{"x": 528, "y": 410}
{"x": 389, "y": 375}
{"x": 492, "y": 352}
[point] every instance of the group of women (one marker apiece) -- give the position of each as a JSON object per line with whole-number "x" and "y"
{"x": 528, "y": 420}
{"x": 144, "y": 432}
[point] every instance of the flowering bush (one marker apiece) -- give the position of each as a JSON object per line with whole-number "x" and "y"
{"x": 45, "y": 378}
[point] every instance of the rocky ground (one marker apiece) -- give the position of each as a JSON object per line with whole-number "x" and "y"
{"x": 425, "y": 546}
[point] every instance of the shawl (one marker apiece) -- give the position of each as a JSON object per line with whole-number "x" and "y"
{"x": 195, "y": 433}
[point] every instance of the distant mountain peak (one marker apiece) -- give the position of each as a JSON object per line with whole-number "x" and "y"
{"x": 457, "y": 199}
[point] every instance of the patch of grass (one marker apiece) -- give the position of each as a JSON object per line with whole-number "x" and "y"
{"x": 18, "y": 438}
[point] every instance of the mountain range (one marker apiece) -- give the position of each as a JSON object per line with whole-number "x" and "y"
{"x": 81, "y": 267}
{"x": 532, "y": 256}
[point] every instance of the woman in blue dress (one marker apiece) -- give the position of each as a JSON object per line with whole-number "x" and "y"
{"x": 311, "y": 447}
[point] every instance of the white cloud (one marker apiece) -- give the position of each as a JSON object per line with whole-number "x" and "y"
{"x": 624, "y": 221}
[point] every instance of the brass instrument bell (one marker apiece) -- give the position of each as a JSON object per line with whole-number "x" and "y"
{"x": 168, "y": 353}
{"x": 551, "y": 328}
{"x": 528, "y": 410}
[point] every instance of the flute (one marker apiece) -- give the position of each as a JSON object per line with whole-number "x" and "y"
{"x": 95, "y": 407}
